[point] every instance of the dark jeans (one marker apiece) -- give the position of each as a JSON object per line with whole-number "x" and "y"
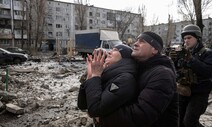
{"x": 191, "y": 108}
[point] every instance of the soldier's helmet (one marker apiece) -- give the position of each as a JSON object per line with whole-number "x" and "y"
{"x": 193, "y": 30}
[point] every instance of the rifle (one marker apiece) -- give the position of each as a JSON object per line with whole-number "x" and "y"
{"x": 185, "y": 76}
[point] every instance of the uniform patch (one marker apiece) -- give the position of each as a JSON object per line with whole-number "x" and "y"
{"x": 113, "y": 87}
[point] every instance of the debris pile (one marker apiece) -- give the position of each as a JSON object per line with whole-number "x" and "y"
{"x": 42, "y": 93}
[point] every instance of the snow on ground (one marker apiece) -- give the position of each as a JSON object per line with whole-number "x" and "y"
{"x": 48, "y": 74}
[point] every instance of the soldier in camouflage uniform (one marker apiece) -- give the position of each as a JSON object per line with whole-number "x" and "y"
{"x": 199, "y": 60}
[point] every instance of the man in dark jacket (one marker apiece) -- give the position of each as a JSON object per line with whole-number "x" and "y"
{"x": 199, "y": 60}
{"x": 157, "y": 100}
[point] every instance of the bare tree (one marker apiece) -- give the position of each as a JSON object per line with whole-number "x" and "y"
{"x": 81, "y": 11}
{"x": 193, "y": 10}
{"x": 29, "y": 22}
{"x": 123, "y": 20}
{"x": 40, "y": 12}
{"x": 142, "y": 15}
{"x": 186, "y": 9}
{"x": 198, "y": 12}
{"x": 154, "y": 22}
{"x": 170, "y": 31}
{"x": 208, "y": 42}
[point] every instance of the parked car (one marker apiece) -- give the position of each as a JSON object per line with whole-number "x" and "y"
{"x": 17, "y": 50}
{"x": 7, "y": 57}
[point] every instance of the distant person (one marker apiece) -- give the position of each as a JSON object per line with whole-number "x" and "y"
{"x": 156, "y": 104}
{"x": 110, "y": 82}
{"x": 199, "y": 60}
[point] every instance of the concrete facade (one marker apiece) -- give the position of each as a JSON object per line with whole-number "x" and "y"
{"x": 176, "y": 28}
{"x": 10, "y": 23}
{"x": 61, "y": 23}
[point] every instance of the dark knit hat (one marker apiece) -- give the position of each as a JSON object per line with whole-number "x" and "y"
{"x": 153, "y": 39}
{"x": 124, "y": 50}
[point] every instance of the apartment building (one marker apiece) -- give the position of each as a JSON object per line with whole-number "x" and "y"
{"x": 62, "y": 20}
{"x": 207, "y": 31}
{"x": 11, "y": 18}
{"x": 113, "y": 19}
{"x": 171, "y": 34}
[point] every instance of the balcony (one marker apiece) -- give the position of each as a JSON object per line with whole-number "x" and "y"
{"x": 19, "y": 17}
{"x": 6, "y": 6}
{"x": 5, "y": 26}
{"x": 3, "y": 16}
{"x": 18, "y": 36}
{"x": 17, "y": 26}
{"x": 5, "y": 36}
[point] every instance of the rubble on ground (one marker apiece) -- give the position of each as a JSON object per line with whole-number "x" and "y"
{"x": 42, "y": 93}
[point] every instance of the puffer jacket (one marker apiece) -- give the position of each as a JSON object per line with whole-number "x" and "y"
{"x": 115, "y": 88}
{"x": 157, "y": 100}
{"x": 201, "y": 65}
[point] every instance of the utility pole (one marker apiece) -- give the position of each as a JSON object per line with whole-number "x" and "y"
{"x": 24, "y": 4}
{"x": 12, "y": 23}
{"x": 30, "y": 24}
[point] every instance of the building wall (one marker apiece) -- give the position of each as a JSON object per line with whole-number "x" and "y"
{"x": 61, "y": 23}
{"x": 5, "y": 23}
{"x": 6, "y": 17}
{"x": 207, "y": 30}
{"x": 177, "y": 28}
{"x": 62, "y": 18}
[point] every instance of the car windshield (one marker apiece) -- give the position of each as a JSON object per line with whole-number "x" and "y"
{"x": 4, "y": 50}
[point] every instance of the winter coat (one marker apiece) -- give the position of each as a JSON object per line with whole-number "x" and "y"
{"x": 201, "y": 65}
{"x": 157, "y": 99}
{"x": 115, "y": 88}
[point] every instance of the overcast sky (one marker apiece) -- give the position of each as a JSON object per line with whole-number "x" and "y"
{"x": 154, "y": 8}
